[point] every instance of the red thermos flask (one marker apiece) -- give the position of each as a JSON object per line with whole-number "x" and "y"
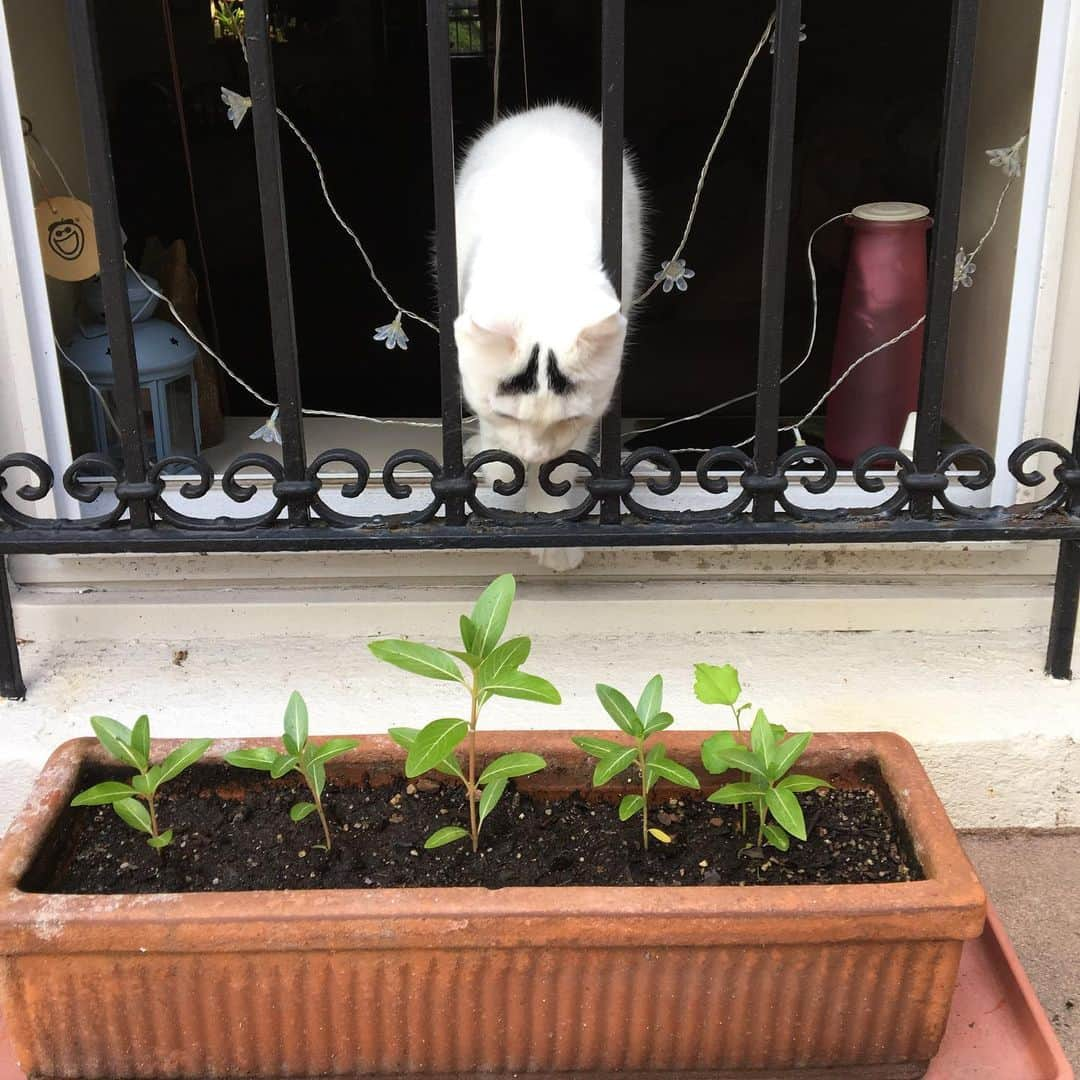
{"x": 884, "y": 293}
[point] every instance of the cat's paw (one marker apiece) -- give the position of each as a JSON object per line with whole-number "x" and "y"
{"x": 560, "y": 559}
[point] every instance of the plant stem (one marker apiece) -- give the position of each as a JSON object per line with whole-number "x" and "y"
{"x": 644, "y": 795}
{"x": 742, "y": 776}
{"x": 318, "y": 807}
{"x": 474, "y": 827}
{"x": 153, "y": 818}
{"x": 325, "y": 826}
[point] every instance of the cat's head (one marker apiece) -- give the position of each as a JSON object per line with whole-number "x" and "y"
{"x": 542, "y": 382}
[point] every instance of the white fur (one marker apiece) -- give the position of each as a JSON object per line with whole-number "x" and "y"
{"x": 530, "y": 274}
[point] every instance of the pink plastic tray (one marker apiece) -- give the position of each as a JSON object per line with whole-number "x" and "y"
{"x": 997, "y": 1030}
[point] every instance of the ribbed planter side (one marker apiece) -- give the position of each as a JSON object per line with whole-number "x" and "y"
{"x": 435, "y": 982}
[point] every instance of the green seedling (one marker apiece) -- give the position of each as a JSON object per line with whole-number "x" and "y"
{"x": 769, "y": 785}
{"x": 131, "y": 747}
{"x": 716, "y": 685}
{"x": 493, "y": 671}
{"x": 615, "y": 758}
{"x": 302, "y": 756}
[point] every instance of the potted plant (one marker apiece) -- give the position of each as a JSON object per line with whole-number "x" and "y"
{"x": 546, "y": 940}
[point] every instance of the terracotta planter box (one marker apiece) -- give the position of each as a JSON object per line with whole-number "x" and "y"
{"x": 698, "y": 981}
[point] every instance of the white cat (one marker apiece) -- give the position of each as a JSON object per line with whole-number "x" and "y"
{"x": 541, "y": 332}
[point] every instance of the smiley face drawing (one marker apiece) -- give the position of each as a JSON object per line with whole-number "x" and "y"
{"x": 67, "y": 239}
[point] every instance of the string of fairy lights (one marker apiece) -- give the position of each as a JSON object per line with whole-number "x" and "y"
{"x": 673, "y": 274}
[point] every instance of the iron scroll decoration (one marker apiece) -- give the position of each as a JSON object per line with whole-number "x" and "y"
{"x": 89, "y": 476}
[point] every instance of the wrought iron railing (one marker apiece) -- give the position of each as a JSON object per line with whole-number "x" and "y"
{"x": 758, "y": 508}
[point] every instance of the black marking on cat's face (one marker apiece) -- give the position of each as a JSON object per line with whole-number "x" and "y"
{"x": 558, "y": 383}
{"x": 525, "y": 381}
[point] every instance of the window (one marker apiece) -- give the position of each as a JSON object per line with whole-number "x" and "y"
{"x": 466, "y": 28}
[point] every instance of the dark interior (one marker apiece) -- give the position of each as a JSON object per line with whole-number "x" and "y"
{"x": 353, "y": 76}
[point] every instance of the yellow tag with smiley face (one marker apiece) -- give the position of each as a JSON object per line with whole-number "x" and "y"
{"x": 68, "y": 242}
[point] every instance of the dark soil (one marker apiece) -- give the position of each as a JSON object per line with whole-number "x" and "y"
{"x": 226, "y": 842}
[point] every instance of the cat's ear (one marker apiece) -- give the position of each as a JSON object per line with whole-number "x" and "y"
{"x": 603, "y": 323}
{"x": 483, "y": 332}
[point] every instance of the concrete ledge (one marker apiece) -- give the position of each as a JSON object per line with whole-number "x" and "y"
{"x": 999, "y": 739}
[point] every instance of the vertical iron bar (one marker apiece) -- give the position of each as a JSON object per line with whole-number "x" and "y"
{"x": 965, "y": 17}
{"x": 612, "y": 99}
{"x": 11, "y": 680}
{"x": 774, "y": 260}
{"x": 440, "y": 91}
{"x": 99, "y": 166}
{"x": 1059, "y": 650}
{"x": 276, "y": 247}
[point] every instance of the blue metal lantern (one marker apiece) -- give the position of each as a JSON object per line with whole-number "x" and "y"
{"x": 165, "y": 354}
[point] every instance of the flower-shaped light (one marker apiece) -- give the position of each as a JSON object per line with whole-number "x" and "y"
{"x": 674, "y": 274}
{"x": 1007, "y": 158}
{"x": 772, "y": 37}
{"x": 237, "y": 106}
{"x": 269, "y": 431}
{"x": 964, "y": 271}
{"x": 393, "y": 334}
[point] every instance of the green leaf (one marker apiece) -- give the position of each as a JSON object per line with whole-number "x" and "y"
{"x": 117, "y": 740}
{"x": 134, "y": 813}
{"x": 405, "y": 737}
{"x": 777, "y": 837}
{"x": 629, "y": 806}
{"x": 785, "y": 808}
{"x": 283, "y": 764}
{"x": 763, "y": 740}
{"x": 594, "y": 746}
{"x": 787, "y": 753}
{"x": 619, "y": 709}
{"x": 420, "y": 659}
{"x": 716, "y": 685}
{"x": 615, "y": 762}
{"x": 468, "y": 634}
{"x": 649, "y": 702}
{"x": 714, "y": 751}
{"x": 802, "y": 782}
{"x": 733, "y": 794}
{"x": 141, "y": 784}
{"x": 490, "y": 796}
{"x": 161, "y": 840}
{"x": 433, "y": 743}
{"x": 296, "y": 724}
{"x": 255, "y": 757}
{"x": 301, "y": 810}
{"x": 502, "y": 660}
{"x": 469, "y": 659}
{"x": 660, "y": 835}
{"x": 747, "y": 761}
{"x": 660, "y": 722}
{"x": 183, "y": 757}
{"x": 100, "y": 794}
{"x": 516, "y": 684}
{"x": 327, "y": 751}
{"x": 520, "y": 763}
{"x": 318, "y": 775}
{"x": 490, "y": 613}
{"x": 119, "y": 731}
{"x": 446, "y": 835}
{"x": 140, "y": 737}
{"x": 667, "y": 769}
{"x": 153, "y": 775}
